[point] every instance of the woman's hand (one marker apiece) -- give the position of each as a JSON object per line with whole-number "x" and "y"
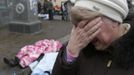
{"x": 82, "y": 35}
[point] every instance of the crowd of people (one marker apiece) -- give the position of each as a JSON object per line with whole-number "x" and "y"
{"x": 48, "y": 8}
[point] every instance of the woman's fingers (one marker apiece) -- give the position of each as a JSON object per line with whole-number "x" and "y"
{"x": 94, "y": 35}
{"x": 82, "y": 24}
{"x": 92, "y": 24}
{"x": 94, "y": 29}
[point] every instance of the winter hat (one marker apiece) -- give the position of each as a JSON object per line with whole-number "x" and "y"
{"x": 114, "y": 9}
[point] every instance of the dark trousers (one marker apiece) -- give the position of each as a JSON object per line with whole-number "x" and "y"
{"x": 50, "y": 12}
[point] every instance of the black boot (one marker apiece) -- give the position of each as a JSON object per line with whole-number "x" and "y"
{"x": 17, "y": 60}
{"x": 11, "y": 62}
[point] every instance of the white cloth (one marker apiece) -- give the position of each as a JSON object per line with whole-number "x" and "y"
{"x": 44, "y": 16}
{"x": 46, "y": 64}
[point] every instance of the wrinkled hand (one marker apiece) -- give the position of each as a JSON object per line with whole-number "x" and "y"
{"x": 82, "y": 35}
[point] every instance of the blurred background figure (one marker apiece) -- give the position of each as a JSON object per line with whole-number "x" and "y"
{"x": 129, "y": 3}
{"x": 39, "y": 7}
{"x": 64, "y": 10}
{"x": 50, "y": 9}
{"x": 130, "y": 17}
{"x": 45, "y": 7}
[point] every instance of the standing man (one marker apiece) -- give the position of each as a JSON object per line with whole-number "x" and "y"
{"x": 50, "y": 10}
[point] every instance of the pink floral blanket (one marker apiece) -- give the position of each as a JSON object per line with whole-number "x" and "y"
{"x": 30, "y": 53}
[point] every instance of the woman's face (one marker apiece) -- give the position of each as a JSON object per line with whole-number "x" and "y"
{"x": 108, "y": 33}
{"x": 109, "y": 29}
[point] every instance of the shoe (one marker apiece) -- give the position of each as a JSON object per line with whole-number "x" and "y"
{"x": 10, "y": 62}
{"x": 17, "y": 60}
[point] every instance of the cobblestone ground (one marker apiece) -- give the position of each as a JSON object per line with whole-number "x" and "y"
{"x": 11, "y": 42}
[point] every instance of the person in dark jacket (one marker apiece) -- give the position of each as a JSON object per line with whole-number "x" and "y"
{"x": 50, "y": 10}
{"x": 45, "y": 6}
{"x": 39, "y": 7}
{"x": 100, "y": 43}
{"x": 131, "y": 12}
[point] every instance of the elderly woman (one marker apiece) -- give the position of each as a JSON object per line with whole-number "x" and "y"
{"x": 100, "y": 44}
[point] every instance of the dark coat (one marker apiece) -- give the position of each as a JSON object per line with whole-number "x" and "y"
{"x": 93, "y": 62}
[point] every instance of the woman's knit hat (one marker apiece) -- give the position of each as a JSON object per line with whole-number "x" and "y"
{"x": 114, "y": 9}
